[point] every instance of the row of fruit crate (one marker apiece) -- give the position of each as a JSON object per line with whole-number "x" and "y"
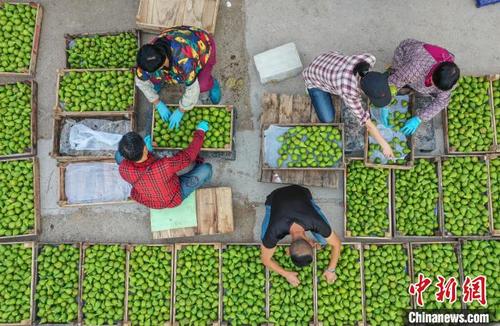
{"x": 226, "y": 284}
{"x": 441, "y": 197}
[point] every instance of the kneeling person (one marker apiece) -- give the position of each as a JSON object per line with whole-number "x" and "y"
{"x": 154, "y": 181}
{"x": 291, "y": 210}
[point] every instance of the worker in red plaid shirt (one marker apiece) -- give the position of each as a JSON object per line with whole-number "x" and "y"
{"x": 348, "y": 77}
{"x": 154, "y": 181}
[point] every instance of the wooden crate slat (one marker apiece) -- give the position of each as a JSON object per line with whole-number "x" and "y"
{"x": 285, "y": 109}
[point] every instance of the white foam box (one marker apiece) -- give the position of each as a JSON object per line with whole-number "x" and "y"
{"x": 278, "y": 64}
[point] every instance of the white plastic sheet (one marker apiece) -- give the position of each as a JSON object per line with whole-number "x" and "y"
{"x": 95, "y": 182}
{"x": 82, "y": 137}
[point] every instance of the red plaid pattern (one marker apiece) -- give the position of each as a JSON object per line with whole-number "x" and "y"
{"x": 410, "y": 66}
{"x": 332, "y": 72}
{"x": 155, "y": 183}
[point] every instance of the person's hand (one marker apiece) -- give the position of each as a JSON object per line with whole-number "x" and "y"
{"x": 387, "y": 150}
{"x": 149, "y": 143}
{"x": 292, "y": 278}
{"x": 163, "y": 111}
{"x": 411, "y": 126}
{"x": 203, "y": 125}
{"x": 384, "y": 116}
{"x": 175, "y": 119}
{"x": 330, "y": 277}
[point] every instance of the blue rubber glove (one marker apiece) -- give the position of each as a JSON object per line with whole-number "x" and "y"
{"x": 118, "y": 157}
{"x": 175, "y": 119}
{"x": 203, "y": 125}
{"x": 384, "y": 116}
{"x": 411, "y": 126}
{"x": 163, "y": 111}
{"x": 149, "y": 143}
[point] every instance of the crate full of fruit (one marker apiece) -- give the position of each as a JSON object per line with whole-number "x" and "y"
{"x": 219, "y": 137}
{"x": 305, "y": 146}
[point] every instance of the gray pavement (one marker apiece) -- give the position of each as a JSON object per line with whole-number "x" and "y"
{"x": 243, "y": 30}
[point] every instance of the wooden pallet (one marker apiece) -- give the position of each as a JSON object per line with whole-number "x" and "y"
{"x": 214, "y": 214}
{"x": 286, "y": 109}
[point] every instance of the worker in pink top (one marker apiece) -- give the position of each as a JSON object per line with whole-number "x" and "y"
{"x": 429, "y": 70}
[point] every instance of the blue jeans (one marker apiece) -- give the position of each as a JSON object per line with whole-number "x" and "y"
{"x": 196, "y": 178}
{"x": 322, "y": 103}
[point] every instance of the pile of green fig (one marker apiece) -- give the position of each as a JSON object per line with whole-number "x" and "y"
{"x": 496, "y": 104}
{"x": 469, "y": 116}
{"x": 465, "y": 196}
{"x": 495, "y": 190}
{"x": 111, "y": 90}
{"x": 17, "y": 198}
{"x": 197, "y": 285}
{"x": 340, "y": 303}
{"x": 310, "y": 147}
{"x": 416, "y": 199}
{"x": 244, "y": 282}
{"x": 103, "y": 284}
{"x": 290, "y": 305}
{"x": 15, "y": 283}
{"x": 149, "y": 285}
{"x": 432, "y": 260}
{"x": 103, "y": 51}
{"x": 218, "y": 136}
{"x": 15, "y": 118}
{"x": 17, "y": 29}
{"x": 367, "y": 200}
{"x": 386, "y": 284}
{"x": 57, "y": 286}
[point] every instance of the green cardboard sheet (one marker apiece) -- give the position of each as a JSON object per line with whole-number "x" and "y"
{"x": 182, "y": 216}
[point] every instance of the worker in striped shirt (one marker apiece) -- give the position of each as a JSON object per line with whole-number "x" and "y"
{"x": 348, "y": 77}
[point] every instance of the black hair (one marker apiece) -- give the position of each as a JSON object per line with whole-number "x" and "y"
{"x": 446, "y": 76}
{"x": 301, "y": 253}
{"x": 361, "y": 68}
{"x": 131, "y": 146}
{"x": 151, "y": 57}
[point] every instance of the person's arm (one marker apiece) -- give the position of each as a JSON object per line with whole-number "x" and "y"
{"x": 439, "y": 103}
{"x": 184, "y": 158}
{"x": 266, "y": 255}
{"x": 375, "y": 133}
{"x": 147, "y": 88}
{"x": 190, "y": 96}
{"x": 330, "y": 273}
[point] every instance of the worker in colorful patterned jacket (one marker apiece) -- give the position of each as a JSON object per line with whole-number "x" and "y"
{"x": 428, "y": 69}
{"x": 155, "y": 181}
{"x": 350, "y": 78}
{"x": 182, "y": 55}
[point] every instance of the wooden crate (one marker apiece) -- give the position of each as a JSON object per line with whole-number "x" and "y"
{"x": 294, "y": 109}
{"x": 409, "y": 140}
{"x": 358, "y": 246}
{"x": 70, "y": 37}
{"x": 227, "y": 148}
{"x": 30, "y": 73}
{"x": 60, "y": 111}
{"x": 341, "y": 165}
{"x": 129, "y": 249}
{"x": 84, "y": 247}
{"x": 34, "y": 123}
{"x": 32, "y": 245}
{"x": 156, "y": 15}
{"x": 177, "y": 248}
{"x": 445, "y": 233}
{"x": 408, "y": 271}
{"x": 494, "y": 232}
{"x": 36, "y": 195}
{"x": 456, "y": 245}
{"x": 63, "y": 199}
{"x": 214, "y": 214}
{"x": 38, "y": 249}
{"x": 439, "y": 232}
{"x": 450, "y": 150}
{"x": 59, "y": 124}
{"x": 347, "y": 233}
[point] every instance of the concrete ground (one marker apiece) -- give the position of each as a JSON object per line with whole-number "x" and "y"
{"x": 243, "y": 30}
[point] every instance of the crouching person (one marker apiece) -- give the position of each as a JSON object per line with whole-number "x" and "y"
{"x": 154, "y": 181}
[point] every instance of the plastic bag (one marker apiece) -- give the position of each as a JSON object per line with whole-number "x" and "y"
{"x": 94, "y": 182}
{"x": 82, "y": 137}
{"x": 482, "y": 3}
